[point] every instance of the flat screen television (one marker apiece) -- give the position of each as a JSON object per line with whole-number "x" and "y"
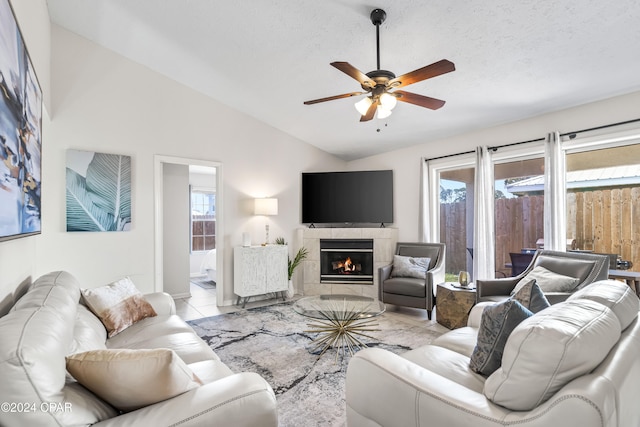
{"x": 347, "y": 197}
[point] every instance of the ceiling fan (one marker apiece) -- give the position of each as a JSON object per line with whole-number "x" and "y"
{"x": 381, "y": 85}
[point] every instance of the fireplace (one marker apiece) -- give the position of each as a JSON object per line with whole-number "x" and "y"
{"x": 348, "y": 261}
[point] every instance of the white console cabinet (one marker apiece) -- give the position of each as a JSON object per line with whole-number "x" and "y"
{"x": 259, "y": 270}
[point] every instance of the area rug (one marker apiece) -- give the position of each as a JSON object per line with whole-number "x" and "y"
{"x": 204, "y": 283}
{"x": 271, "y": 342}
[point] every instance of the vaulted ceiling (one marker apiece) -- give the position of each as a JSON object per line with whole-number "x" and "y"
{"x": 514, "y": 59}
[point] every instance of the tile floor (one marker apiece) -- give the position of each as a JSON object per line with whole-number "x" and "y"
{"x": 202, "y": 303}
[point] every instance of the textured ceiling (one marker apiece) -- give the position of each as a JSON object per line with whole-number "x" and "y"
{"x": 265, "y": 57}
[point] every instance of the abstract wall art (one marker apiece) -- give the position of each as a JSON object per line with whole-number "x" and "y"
{"x": 98, "y": 191}
{"x": 20, "y": 134}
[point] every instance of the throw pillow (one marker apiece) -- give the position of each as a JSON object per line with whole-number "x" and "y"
{"x": 118, "y": 305}
{"x": 546, "y": 351}
{"x": 407, "y": 266}
{"x": 531, "y": 296}
{"x": 548, "y": 281}
{"x": 131, "y": 379}
{"x": 496, "y": 324}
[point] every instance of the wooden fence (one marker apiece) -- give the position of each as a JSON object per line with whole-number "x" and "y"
{"x": 603, "y": 221}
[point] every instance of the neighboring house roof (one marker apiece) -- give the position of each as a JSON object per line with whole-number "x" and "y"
{"x": 616, "y": 176}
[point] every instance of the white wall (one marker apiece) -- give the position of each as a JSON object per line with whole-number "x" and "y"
{"x": 104, "y": 102}
{"x": 406, "y": 162}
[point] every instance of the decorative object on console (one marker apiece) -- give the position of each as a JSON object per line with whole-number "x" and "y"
{"x": 267, "y": 207}
{"x": 20, "y": 134}
{"x": 118, "y": 305}
{"x": 463, "y": 278}
{"x": 98, "y": 191}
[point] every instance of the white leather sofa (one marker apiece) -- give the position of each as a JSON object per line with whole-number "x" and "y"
{"x": 49, "y": 323}
{"x": 576, "y": 363}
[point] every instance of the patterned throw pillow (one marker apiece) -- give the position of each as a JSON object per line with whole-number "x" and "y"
{"x": 531, "y": 296}
{"x": 118, "y": 305}
{"x": 496, "y": 324}
{"x": 407, "y": 266}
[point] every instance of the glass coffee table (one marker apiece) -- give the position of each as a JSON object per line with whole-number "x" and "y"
{"x": 340, "y": 320}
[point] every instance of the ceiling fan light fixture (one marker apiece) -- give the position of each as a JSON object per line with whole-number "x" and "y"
{"x": 388, "y": 101}
{"x": 363, "y": 105}
{"x": 383, "y": 112}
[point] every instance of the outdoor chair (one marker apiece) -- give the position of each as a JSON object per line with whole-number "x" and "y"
{"x": 519, "y": 262}
{"x": 587, "y": 268}
{"x": 413, "y": 291}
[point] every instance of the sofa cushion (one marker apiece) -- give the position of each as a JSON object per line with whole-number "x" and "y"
{"x": 132, "y": 379}
{"x": 531, "y": 296}
{"x": 549, "y": 349}
{"x": 496, "y": 324}
{"x": 614, "y": 294}
{"x": 88, "y": 332}
{"x": 164, "y": 332}
{"x": 34, "y": 339}
{"x": 548, "y": 281}
{"x": 209, "y": 371}
{"x": 406, "y": 266}
{"x": 118, "y": 305}
{"x": 446, "y": 363}
{"x": 461, "y": 340}
{"x": 407, "y": 286}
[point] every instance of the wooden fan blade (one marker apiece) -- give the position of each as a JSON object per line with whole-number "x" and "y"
{"x": 331, "y": 98}
{"x": 437, "y": 68}
{"x": 370, "y": 112}
{"x": 354, "y": 73}
{"x": 420, "y": 100}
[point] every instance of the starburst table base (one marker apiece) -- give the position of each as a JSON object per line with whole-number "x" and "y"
{"x": 342, "y": 334}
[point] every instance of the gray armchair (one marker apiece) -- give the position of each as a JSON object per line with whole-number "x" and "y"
{"x": 588, "y": 268}
{"x": 410, "y": 291}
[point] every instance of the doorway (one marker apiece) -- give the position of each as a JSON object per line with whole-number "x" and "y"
{"x": 162, "y": 164}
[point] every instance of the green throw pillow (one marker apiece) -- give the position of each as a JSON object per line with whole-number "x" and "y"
{"x": 496, "y": 324}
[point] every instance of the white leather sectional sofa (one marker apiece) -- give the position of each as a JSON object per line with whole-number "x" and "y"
{"x": 49, "y": 323}
{"x": 574, "y": 364}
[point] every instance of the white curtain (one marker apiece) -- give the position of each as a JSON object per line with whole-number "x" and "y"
{"x": 484, "y": 231}
{"x": 424, "y": 224}
{"x": 555, "y": 207}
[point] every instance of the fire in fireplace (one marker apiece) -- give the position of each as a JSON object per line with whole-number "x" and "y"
{"x": 346, "y": 261}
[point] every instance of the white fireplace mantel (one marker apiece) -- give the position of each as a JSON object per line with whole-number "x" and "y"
{"x": 384, "y": 244}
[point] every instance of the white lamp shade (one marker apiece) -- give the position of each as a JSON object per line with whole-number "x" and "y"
{"x": 266, "y": 206}
{"x": 388, "y": 101}
{"x": 383, "y": 113}
{"x": 363, "y": 105}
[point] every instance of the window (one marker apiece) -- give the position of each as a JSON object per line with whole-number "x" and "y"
{"x": 603, "y": 201}
{"x": 203, "y": 220}
{"x": 519, "y": 209}
{"x": 456, "y": 219}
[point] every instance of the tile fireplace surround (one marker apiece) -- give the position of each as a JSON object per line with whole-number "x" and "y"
{"x": 384, "y": 244}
